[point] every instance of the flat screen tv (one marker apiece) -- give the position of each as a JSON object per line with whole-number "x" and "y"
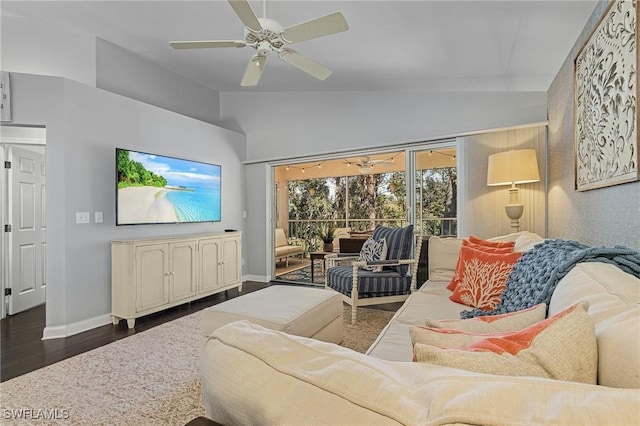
{"x": 154, "y": 189}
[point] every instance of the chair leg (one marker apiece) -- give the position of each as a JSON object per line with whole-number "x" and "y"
{"x": 354, "y": 296}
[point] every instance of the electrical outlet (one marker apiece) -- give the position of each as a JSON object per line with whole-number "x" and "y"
{"x": 99, "y": 217}
{"x": 83, "y": 217}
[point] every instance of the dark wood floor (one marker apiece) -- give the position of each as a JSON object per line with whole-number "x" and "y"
{"x": 23, "y": 350}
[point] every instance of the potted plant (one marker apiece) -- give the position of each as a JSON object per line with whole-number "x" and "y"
{"x": 327, "y": 235}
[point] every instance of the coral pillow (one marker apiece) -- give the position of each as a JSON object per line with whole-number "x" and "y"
{"x": 487, "y": 243}
{"x": 561, "y": 347}
{"x": 483, "y": 277}
{"x": 512, "y": 321}
{"x": 466, "y": 243}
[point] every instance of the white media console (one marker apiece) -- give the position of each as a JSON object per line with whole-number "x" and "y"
{"x": 149, "y": 275}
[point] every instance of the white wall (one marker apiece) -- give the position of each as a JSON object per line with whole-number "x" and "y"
{"x": 121, "y": 71}
{"x": 287, "y": 125}
{"x": 605, "y": 216}
{"x": 39, "y": 48}
{"x": 84, "y": 126}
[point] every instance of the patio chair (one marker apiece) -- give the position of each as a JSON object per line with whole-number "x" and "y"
{"x": 396, "y": 281}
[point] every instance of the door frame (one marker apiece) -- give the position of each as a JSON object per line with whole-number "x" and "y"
{"x": 410, "y": 151}
{"x": 14, "y": 139}
{"x": 410, "y": 174}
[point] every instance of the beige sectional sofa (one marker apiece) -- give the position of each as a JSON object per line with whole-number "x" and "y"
{"x": 251, "y": 375}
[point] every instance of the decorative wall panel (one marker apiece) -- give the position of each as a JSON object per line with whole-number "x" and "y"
{"x": 606, "y": 81}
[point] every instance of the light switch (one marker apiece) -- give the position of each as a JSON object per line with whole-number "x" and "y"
{"x": 98, "y": 217}
{"x": 82, "y": 217}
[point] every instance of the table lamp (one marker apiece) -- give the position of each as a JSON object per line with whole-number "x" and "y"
{"x": 511, "y": 168}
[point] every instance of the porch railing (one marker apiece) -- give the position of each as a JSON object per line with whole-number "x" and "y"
{"x": 305, "y": 232}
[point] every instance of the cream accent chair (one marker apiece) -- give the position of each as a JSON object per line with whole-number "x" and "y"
{"x": 284, "y": 250}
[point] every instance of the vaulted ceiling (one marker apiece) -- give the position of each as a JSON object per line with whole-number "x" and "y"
{"x": 391, "y": 45}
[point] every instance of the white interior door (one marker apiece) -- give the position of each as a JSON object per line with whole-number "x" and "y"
{"x": 27, "y": 217}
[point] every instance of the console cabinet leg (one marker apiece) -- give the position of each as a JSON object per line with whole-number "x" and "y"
{"x": 131, "y": 322}
{"x": 115, "y": 320}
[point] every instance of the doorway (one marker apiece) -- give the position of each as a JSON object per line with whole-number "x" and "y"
{"x": 354, "y": 194}
{"x": 23, "y": 218}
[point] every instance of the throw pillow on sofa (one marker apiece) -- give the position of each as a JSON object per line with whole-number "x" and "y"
{"x": 488, "y": 243}
{"x": 483, "y": 277}
{"x": 466, "y": 243}
{"x": 561, "y": 347}
{"x": 513, "y": 321}
{"x": 372, "y": 251}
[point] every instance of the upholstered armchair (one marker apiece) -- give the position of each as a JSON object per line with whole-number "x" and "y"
{"x": 393, "y": 278}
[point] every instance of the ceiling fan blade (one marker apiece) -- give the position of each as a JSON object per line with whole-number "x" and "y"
{"x": 204, "y": 44}
{"x": 254, "y": 70}
{"x": 330, "y": 24}
{"x": 245, "y": 13}
{"x": 305, "y": 64}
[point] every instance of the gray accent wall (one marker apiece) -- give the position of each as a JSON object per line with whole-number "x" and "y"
{"x": 604, "y": 216}
{"x": 291, "y": 124}
{"x": 84, "y": 126}
{"x": 121, "y": 71}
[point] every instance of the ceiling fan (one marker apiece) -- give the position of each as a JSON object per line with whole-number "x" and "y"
{"x": 266, "y": 36}
{"x": 365, "y": 164}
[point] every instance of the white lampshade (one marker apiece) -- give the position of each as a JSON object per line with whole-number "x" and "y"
{"x": 511, "y": 167}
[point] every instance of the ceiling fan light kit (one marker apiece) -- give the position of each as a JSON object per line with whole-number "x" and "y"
{"x": 266, "y": 36}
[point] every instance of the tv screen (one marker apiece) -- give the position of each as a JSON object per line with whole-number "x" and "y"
{"x": 153, "y": 189}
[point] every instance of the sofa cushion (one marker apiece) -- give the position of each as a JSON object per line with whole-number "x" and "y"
{"x": 443, "y": 257}
{"x": 489, "y": 243}
{"x": 561, "y": 347}
{"x": 494, "y": 324}
{"x": 251, "y": 375}
{"x": 614, "y": 308}
{"x": 281, "y": 238}
{"x": 482, "y": 277}
{"x": 288, "y": 250}
{"x": 370, "y": 284}
{"x": 399, "y": 244}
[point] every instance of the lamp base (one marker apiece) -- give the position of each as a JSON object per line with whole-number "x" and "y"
{"x": 514, "y": 211}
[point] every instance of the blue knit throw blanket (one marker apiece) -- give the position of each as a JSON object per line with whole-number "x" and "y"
{"x": 536, "y": 274}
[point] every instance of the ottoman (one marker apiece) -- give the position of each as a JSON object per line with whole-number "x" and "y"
{"x": 307, "y": 312}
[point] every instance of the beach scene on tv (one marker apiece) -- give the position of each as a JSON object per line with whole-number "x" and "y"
{"x": 157, "y": 189}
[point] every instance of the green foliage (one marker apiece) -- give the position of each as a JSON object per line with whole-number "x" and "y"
{"x": 133, "y": 173}
{"x": 315, "y": 203}
{"x": 327, "y": 233}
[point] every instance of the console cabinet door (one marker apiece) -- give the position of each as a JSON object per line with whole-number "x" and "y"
{"x": 231, "y": 267}
{"x": 182, "y": 271}
{"x": 209, "y": 259}
{"x": 152, "y": 276}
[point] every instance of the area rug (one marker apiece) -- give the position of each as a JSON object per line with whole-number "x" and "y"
{"x": 303, "y": 275}
{"x": 149, "y": 378}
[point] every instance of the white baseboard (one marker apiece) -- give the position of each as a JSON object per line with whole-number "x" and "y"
{"x": 258, "y": 278}
{"x": 59, "y": 331}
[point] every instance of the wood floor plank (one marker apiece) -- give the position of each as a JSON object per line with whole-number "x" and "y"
{"x": 22, "y": 349}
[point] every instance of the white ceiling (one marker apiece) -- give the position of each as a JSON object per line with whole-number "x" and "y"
{"x": 391, "y": 45}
